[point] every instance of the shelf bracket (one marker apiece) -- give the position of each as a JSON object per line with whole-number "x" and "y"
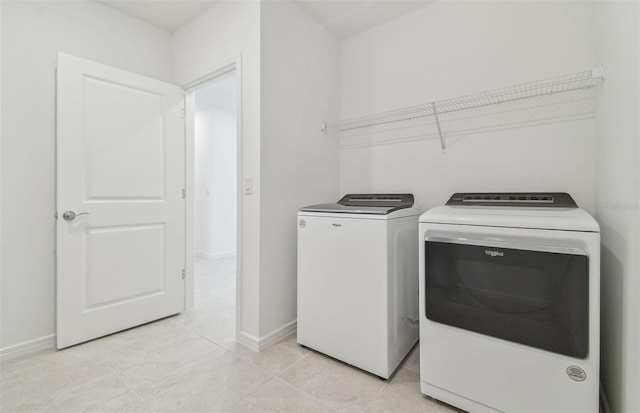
{"x": 599, "y": 71}
{"x": 435, "y": 115}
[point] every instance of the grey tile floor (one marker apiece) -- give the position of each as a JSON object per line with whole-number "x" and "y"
{"x": 190, "y": 363}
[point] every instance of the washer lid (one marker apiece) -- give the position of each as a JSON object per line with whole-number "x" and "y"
{"x": 376, "y": 204}
{"x": 344, "y": 209}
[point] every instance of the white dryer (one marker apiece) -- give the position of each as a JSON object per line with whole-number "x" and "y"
{"x": 509, "y": 303}
{"x": 358, "y": 280}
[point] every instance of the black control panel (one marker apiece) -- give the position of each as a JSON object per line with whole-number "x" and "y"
{"x": 379, "y": 200}
{"x": 522, "y": 199}
{"x": 376, "y": 204}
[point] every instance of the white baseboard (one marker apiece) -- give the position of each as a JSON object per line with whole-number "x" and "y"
{"x": 247, "y": 340}
{"x": 259, "y": 344}
{"x": 214, "y": 256}
{"x": 28, "y": 347}
{"x": 277, "y": 335}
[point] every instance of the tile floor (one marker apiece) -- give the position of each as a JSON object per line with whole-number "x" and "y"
{"x": 190, "y": 363}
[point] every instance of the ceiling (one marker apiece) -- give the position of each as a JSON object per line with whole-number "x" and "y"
{"x": 169, "y": 15}
{"x": 343, "y": 18}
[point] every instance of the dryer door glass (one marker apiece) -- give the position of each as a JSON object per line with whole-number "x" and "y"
{"x": 537, "y": 298}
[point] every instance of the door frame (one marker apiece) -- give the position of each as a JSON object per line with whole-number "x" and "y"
{"x": 220, "y": 69}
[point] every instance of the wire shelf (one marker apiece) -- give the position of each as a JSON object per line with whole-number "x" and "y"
{"x": 489, "y": 109}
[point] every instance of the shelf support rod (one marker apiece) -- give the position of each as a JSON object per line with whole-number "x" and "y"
{"x": 435, "y": 115}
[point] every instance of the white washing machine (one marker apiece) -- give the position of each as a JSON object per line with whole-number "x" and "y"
{"x": 358, "y": 280}
{"x": 509, "y": 303}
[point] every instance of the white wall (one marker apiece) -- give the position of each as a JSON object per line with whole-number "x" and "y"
{"x": 32, "y": 35}
{"x": 302, "y": 94}
{"x": 215, "y": 182}
{"x": 299, "y": 164}
{"x": 454, "y": 48}
{"x": 1, "y": 139}
{"x": 618, "y": 201}
{"x": 227, "y": 30}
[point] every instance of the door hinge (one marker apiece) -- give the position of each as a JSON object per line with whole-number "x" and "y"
{"x": 56, "y": 215}
{"x": 182, "y": 112}
{"x": 184, "y": 273}
{"x": 184, "y": 193}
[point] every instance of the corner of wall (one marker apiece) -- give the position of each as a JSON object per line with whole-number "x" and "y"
{"x": 618, "y": 203}
{"x": 299, "y": 81}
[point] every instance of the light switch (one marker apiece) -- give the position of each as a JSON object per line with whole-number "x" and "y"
{"x": 248, "y": 185}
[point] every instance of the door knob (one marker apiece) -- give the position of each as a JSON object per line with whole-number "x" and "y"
{"x": 70, "y": 215}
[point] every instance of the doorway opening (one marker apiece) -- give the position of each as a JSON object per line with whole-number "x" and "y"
{"x": 215, "y": 206}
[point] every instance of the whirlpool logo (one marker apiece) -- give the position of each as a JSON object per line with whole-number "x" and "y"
{"x": 494, "y": 253}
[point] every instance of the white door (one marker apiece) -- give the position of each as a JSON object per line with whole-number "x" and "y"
{"x": 121, "y": 170}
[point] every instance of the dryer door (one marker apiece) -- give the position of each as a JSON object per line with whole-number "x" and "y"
{"x": 529, "y": 294}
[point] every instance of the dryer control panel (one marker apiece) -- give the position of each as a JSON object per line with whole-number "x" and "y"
{"x": 514, "y": 199}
